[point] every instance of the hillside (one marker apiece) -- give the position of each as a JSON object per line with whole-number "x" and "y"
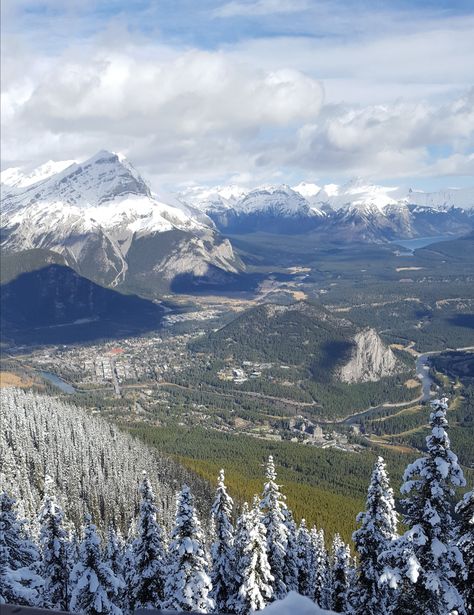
{"x": 67, "y": 307}
{"x": 94, "y": 466}
{"x": 301, "y": 352}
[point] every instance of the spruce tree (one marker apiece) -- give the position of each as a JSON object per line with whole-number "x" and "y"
{"x": 147, "y": 580}
{"x": 273, "y": 506}
{"x": 94, "y": 586}
{"x": 19, "y": 558}
{"x": 322, "y": 573}
{"x": 188, "y": 584}
{"x": 15, "y": 585}
{"x": 114, "y": 558}
{"x": 340, "y": 575}
{"x": 223, "y": 582}
{"x": 54, "y": 562}
{"x": 424, "y": 562}
{"x": 378, "y": 528}
{"x": 252, "y": 569}
{"x": 291, "y": 562}
{"x": 22, "y": 551}
{"x": 306, "y": 557}
{"x": 465, "y": 542}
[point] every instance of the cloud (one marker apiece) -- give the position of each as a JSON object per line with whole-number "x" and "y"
{"x": 390, "y": 140}
{"x": 174, "y": 108}
{"x": 363, "y": 93}
{"x": 255, "y": 8}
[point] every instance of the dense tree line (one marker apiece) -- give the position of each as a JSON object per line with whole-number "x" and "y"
{"x": 91, "y": 462}
{"x": 255, "y": 555}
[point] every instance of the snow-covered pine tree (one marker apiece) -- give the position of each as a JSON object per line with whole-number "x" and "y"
{"x": 113, "y": 557}
{"x": 188, "y": 584}
{"x": 322, "y": 572}
{"x": 424, "y": 562}
{"x": 54, "y": 561}
{"x": 291, "y": 563}
{"x": 22, "y": 551}
{"x": 378, "y": 528}
{"x": 306, "y": 556}
{"x": 223, "y": 582}
{"x": 272, "y": 506}
{"x": 252, "y": 569}
{"x": 15, "y": 585}
{"x": 340, "y": 575}
{"x": 19, "y": 558}
{"x": 147, "y": 582}
{"x": 465, "y": 541}
{"x": 114, "y": 550}
{"x": 94, "y": 587}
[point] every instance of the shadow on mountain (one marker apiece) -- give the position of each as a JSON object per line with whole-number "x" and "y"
{"x": 219, "y": 282}
{"x": 55, "y": 305}
{"x": 462, "y": 320}
{"x": 333, "y": 354}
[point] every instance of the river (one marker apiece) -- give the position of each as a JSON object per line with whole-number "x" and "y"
{"x": 58, "y": 382}
{"x": 423, "y": 373}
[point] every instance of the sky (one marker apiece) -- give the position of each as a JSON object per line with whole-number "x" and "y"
{"x": 205, "y": 92}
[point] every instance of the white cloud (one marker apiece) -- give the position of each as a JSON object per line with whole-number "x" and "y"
{"x": 397, "y": 100}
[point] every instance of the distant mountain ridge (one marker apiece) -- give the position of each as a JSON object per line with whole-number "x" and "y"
{"x": 355, "y": 211}
{"x": 110, "y": 227}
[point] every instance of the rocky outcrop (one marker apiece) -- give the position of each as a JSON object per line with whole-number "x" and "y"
{"x": 371, "y": 360}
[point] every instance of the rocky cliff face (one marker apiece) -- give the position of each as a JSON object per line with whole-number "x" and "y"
{"x": 371, "y": 360}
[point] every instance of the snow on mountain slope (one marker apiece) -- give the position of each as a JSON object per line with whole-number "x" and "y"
{"x": 279, "y": 199}
{"x": 462, "y": 198}
{"x": 93, "y": 212}
{"x": 218, "y": 196}
{"x": 15, "y": 177}
{"x": 359, "y": 194}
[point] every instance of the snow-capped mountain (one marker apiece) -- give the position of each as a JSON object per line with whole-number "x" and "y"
{"x": 355, "y": 211}
{"x": 271, "y": 209}
{"x": 102, "y": 216}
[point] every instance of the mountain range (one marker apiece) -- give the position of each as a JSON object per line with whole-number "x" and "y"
{"x": 110, "y": 227}
{"x": 355, "y": 211}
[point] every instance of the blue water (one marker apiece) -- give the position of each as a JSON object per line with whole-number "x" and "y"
{"x": 61, "y": 384}
{"x": 420, "y": 242}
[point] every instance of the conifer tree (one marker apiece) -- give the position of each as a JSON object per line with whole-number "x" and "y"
{"x": 94, "y": 586}
{"x": 306, "y": 557}
{"x": 322, "y": 573}
{"x": 22, "y": 551}
{"x": 291, "y": 563}
{"x": 465, "y": 541}
{"x": 252, "y": 568}
{"x": 114, "y": 550}
{"x": 378, "y": 528}
{"x": 19, "y": 558}
{"x": 54, "y": 562}
{"x": 273, "y": 506}
{"x": 424, "y": 562}
{"x": 187, "y": 584}
{"x": 340, "y": 575}
{"x": 223, "y": 582}
{"x": 15, "y": 585}
{"x": 114, "y": 558}
{"x": 147, "y": 580}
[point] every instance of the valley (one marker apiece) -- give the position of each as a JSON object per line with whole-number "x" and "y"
{"x": 227, "y": 339}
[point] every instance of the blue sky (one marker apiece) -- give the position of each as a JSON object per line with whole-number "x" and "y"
{"x": 246, "y": 91}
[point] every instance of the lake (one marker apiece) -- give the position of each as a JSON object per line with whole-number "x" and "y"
{"x": 421, "y": 242}
{"x": 58, "y": 382}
